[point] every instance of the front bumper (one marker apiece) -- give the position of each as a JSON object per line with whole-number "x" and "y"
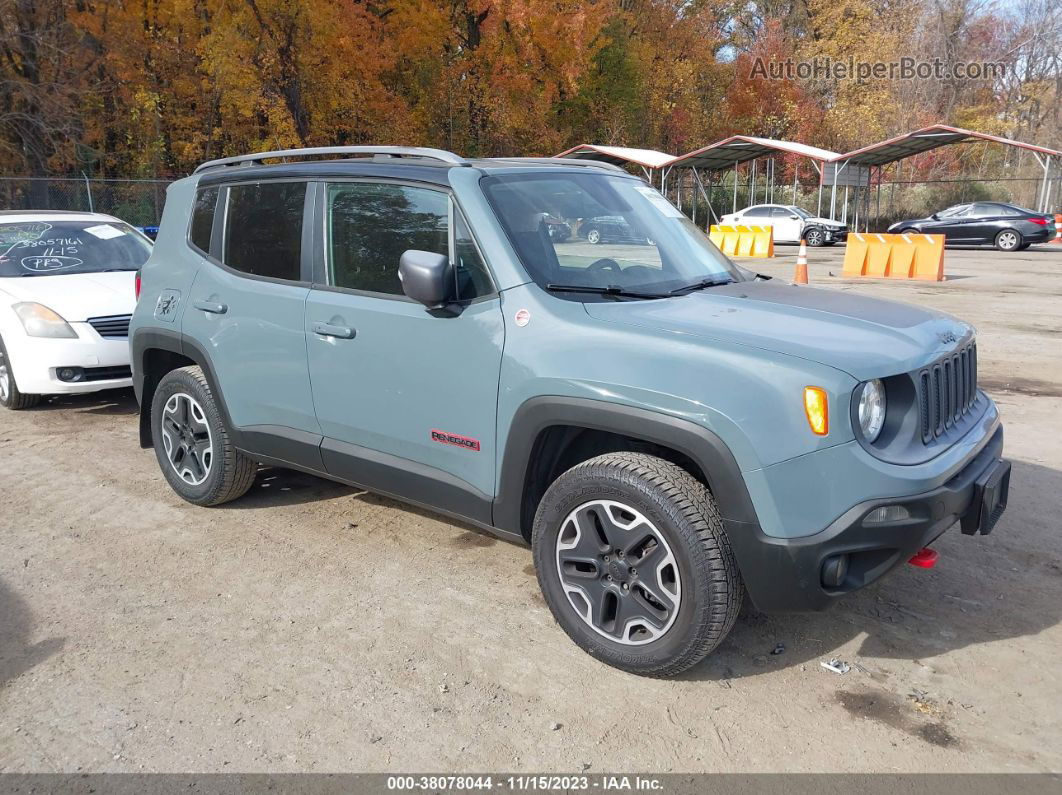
{"x": 835, "y": 235}
{"x": 36, "y": 362}
{"x": 786, "y": 575}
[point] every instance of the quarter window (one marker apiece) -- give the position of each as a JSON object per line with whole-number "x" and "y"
{"x": 206, "y": 200}
{"x": 263, "y": 229}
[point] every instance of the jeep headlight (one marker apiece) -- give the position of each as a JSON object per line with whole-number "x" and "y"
{"x": 40, "y": 321}
{"x": 871, "y": 409}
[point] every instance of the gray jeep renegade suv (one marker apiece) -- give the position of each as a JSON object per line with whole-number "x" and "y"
{"x": 667, "y": 430}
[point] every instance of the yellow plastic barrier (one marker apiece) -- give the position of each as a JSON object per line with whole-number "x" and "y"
{"x": 911, "y": 256}
{"x": 743, "y": 241}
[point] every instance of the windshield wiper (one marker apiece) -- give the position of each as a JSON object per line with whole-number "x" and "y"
{"x": 611, "y": 289}
{"x": 701, "y": 285}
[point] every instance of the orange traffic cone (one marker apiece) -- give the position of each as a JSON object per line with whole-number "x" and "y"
{"x": 1058, "y": 229}
{"x": 801, "y": 276}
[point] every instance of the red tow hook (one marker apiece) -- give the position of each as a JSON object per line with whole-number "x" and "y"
{"x": 925, "y": 558}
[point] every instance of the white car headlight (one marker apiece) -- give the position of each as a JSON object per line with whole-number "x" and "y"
{"x": 871, "y": 409}
{"x": 40, "y": 321}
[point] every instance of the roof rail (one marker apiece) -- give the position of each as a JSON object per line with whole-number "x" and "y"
{"x": 562, "y": 161}
{"x": 364, "y": 151}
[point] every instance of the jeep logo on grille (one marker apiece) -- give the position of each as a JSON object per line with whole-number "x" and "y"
{"x": 451, "y": 438}
{"x": 947, "y": 337}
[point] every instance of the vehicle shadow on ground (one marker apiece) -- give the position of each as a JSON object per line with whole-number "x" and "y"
{"x": 275, "y": 486}
{"x": 17, "y": 653}
{"x": 110, "y": 402}
{"x": 1005, "y": 586}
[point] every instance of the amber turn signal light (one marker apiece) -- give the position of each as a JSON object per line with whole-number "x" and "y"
{"x": 817, "y": 410}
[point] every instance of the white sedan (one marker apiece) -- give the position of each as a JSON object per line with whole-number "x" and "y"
{"x": 67, "y": 290}
{"x": 791, "y": 224}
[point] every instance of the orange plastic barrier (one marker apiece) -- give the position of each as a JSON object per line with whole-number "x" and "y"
{"x": 743, "y": 241}
{"x": 910, "y": 256}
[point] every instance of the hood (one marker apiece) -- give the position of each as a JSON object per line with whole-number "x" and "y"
{"x": 77, "y": 296}
{"x": 824, "y": 222}
{"x": 864, "y": 337}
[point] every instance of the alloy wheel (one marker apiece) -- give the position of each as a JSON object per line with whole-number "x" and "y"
{"x": 1008, "y": 241}
{"x": 618, "y": 572}
{"x": 813, "y": 237}
{"x": 593, "y": 236}
{"x": 186, "y": 438}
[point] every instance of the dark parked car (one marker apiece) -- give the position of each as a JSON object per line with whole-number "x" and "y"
{"x": 610, "y": 229}
{"x": 1004, "y": 226}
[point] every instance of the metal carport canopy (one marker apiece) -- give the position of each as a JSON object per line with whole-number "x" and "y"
{"x": 742, "y": 148}
{"x": 619, "y": 155}
{"x": 935, "y": 136}
{"x": 913, "y": 143}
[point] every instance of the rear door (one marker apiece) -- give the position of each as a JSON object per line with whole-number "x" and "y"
{"x": 246, "y": 313}
{"x": 406, "y": 398}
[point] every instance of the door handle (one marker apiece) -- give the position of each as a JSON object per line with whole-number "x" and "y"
{"x": 330, "y": 330}
{"x": 213, "y": 307}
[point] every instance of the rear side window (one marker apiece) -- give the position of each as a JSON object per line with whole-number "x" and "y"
{"x": 263, "y": 229}
{"x": 206, "y": 200}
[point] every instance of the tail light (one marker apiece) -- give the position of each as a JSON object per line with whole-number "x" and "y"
{"x": 136, "y": 285}
{"x": 1040, "y": 221}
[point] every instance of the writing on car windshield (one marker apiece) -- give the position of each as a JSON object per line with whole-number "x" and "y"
{"x": 604, "y": 236}
{"x": 40, "y": 248}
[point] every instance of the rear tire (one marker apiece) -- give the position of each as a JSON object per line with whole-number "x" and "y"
{"x": 593, "y": 236}
{"x": 192, "y": 444}
{"x": 635, "y": 565}
{"x": 1008, "y": 240}
{"x": 10, "y": 397}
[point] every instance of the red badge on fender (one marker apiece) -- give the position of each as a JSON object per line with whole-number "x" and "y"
{"x": 452, "y": 438}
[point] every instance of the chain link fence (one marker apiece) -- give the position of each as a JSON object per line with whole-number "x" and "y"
{"x": 136, "y": 201}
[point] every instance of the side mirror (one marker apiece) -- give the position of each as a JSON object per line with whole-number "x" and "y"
{"x": 794, "y": 217}
{"x": 426, "y": 277}
{"x": 935, "y": 217}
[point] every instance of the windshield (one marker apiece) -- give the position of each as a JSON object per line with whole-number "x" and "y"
{"x": 42, "y": 248}
{"x": 802, "y": 213}
{"x": 618, "y": 234}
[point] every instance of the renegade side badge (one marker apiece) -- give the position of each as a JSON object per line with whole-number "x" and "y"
{"x": 452, "y": 438}
{"x": 523, "y": 317}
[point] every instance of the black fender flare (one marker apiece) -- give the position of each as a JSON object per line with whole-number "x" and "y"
{"x": 694, "y": 441}
{"x": 144, "y": 383}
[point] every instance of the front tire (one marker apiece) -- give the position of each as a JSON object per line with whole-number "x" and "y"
{"x": 814, "y": 237}
{"x": 1008, "y": 240}
{"x": 593, "y": 236}
{"x": 10, "y": 397}
{"x": 192, "y": 444}
{"x": 635, "y": 565}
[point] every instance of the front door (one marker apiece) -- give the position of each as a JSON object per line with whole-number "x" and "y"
{"x": 787, "y": 225}
{"x": 406, "y": 398}
{"x": 955, "y": 223}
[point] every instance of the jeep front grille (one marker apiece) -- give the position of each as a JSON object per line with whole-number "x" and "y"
{"x": 947, "y": 390}
{"x": 111, "y": 326}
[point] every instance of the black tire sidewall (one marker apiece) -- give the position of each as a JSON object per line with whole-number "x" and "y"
{"x": 184, "y": 381}
{"x": 689, "y": 557}
{"x": 814, "y": 237}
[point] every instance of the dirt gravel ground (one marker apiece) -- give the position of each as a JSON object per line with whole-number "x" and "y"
{"x": 310, "y": 627}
